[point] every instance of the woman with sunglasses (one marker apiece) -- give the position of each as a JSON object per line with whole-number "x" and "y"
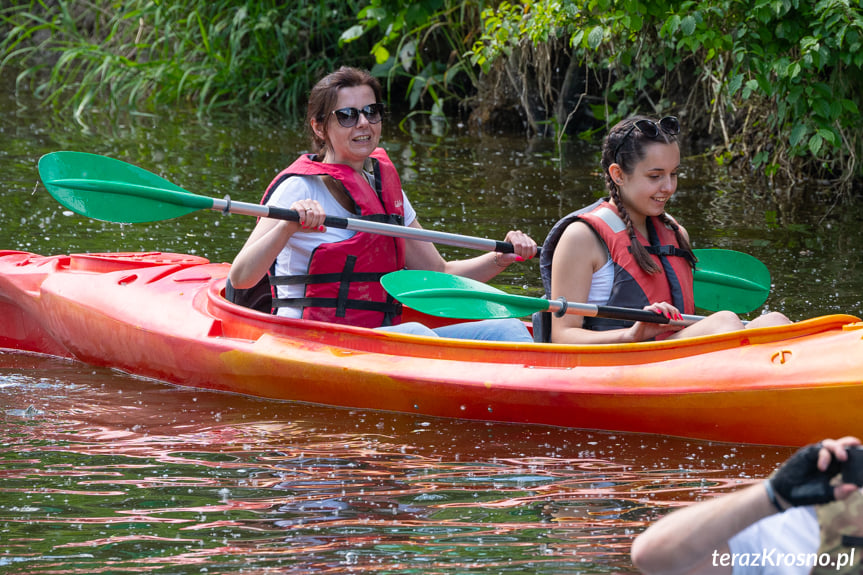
{"x": 625, "y": 250}
{"x": 333, "y": 274}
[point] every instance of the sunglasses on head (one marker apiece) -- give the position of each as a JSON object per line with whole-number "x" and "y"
{"x": 348, "y": 117}
{"x": 669, "y": 124}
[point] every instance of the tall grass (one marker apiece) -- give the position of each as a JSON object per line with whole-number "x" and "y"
{"x": 212, "y": 54}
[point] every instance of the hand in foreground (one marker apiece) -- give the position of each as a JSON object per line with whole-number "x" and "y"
{"x": 312, "y": 215}
{"x": 805, "y": 479}
{"x": 643, "y": 330}
{"x": 524, "y": 248}
{"x": 668, "y": 311}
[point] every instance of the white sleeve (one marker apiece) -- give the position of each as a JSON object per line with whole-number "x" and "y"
{"x": 410, "y": 213}
{"x": 291, "y": 190}
{"x": 301, "y": 188}
{"x": 757, "y": 548}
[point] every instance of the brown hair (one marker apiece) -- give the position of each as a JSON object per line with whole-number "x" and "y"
{"x": 325, "y": 94}
{"x": 626, "y": 146}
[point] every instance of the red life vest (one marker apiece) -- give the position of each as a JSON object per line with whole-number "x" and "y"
{"x": 664, "y": 251}
{"x": 633, "y": 287}
{"x": 342, "y": 284}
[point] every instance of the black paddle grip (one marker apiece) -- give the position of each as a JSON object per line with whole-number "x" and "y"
{"x": 613, "y": 312}
{"x": 294, "y": 216}
{"x": 507, "y": 248}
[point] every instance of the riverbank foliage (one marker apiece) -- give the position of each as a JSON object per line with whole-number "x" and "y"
{"x": 213, "y": 54}
{"x": 771, "y": 86}
{"x": 774, "y": 84}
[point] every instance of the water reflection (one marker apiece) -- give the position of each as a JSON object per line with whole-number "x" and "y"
{"x": 102, "y": 471}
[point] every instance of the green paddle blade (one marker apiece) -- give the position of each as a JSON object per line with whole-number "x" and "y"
{"x": 726, "y": 279}
{"x": 107, "y": 189}
{"x": 445, "y": 295}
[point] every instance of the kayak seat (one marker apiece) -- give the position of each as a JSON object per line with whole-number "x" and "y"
{"x": 258, "y": 298}
{"x": 541, "y": 323}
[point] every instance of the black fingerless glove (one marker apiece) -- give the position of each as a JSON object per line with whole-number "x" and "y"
{"x": 800, "y": 482}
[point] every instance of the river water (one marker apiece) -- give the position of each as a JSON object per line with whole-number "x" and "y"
{"x": 103, "y": 472}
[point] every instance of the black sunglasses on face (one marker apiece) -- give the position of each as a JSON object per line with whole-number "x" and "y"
{"x": 669, "y": 124}
{"x": 348, "y": 117}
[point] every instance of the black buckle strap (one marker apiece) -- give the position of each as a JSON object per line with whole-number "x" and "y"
{"x": 324, "y": 278}
{"x": 392, "y": 219}
{"x": 331, "y": 302}
{"x": 345, "y": 285}
{"x": 668, "y": 250}
{"x": 662, "y": 250}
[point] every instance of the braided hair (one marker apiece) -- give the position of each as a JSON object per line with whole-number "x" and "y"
{"x": 625, "y": 146}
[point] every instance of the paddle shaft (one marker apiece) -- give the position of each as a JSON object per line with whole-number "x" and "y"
{"x": 263, "y": 211}
{"x": 126, "y": 193}
{"x": 560, "y": 306}
{"x": 228, "y": 206}
{"x": 439, "y": 300}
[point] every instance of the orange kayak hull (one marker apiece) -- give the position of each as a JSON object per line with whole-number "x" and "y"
{"x": 163, "y": 316}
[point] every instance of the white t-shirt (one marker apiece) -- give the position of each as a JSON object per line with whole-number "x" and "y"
{"x": 294, "y": 257}
{"x": 774, "y": 545}
{"x": 601, "y": 284}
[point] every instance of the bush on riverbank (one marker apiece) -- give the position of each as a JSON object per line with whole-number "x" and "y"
{"x": 214, "y": 54}
{"x": 773, "y": 86}
{"x": 776, "y": 84}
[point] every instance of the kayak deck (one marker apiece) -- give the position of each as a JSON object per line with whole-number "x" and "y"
{"x": 164, "y": 316}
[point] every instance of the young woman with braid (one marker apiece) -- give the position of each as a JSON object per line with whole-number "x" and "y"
{"x": 625, "y": 250}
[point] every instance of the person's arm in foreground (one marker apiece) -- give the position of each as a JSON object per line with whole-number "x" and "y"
{"x": 687, "y": 540}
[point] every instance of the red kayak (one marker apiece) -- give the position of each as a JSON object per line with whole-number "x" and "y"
{"x": 164, "y": 316}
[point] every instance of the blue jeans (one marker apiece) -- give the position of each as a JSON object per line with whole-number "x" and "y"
{"x": 485, "y": 330}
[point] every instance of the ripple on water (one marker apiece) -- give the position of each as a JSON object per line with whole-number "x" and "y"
{"x": 149, "y": 476}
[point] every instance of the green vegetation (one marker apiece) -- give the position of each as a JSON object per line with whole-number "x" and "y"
{"x": 771, "y": 86}
{"x": 212, "y": 54}
{"x": 427, "y": 43}
{"x": 774, "y": 82}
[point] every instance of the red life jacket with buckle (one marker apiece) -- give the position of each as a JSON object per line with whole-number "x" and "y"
{"x": 633, "y": 287}
{"x": 664, "y": 250}
{"x": 342, "y": 284}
